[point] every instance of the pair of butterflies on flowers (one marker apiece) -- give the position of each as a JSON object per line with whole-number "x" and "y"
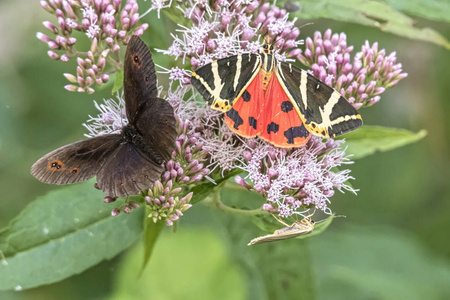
{"x": 260, "y": 96}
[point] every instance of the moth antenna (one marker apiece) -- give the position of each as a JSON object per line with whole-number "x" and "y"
{"x": 339, "y": 216}
{"x": 306, "y": 24}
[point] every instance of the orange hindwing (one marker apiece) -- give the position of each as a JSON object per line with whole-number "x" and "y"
{"x": 281, "y": 124}
{"x": 243, "y": 117}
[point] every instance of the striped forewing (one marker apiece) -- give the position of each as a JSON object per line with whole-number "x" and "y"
{"x": 323, "y": 110}
{"x": 223, "y": 81}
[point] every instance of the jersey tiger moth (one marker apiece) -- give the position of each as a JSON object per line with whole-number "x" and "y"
{"x": 275, "y": 100}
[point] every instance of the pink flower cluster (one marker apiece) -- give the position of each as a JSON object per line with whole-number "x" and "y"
{"x": 105, "y": 22}
{"x": 168, "y": 199}
{"x": 295, "y": 179}
{"x": 225, "y": 28}
{"x": 362, "y": 80}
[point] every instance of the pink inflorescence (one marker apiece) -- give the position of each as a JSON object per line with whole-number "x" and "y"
{"x": 362, "y": 80}
{"x": 105, "y": 22}
{"x": 225, "y": 28}
{"x": 293, "y": 180}
{"x": 168, "y": 199}
{"x": 111, "y": 119}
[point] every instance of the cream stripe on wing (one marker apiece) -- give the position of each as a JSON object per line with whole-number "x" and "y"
{"x": 218, "y": 86}
{"x": 215, "y": 93}
{"x": 303, "y": 82}
{"x": 237, "y": 74}
{"x": 328, "y": 109}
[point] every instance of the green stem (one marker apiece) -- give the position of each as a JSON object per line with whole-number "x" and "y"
{"x": 116, "y": 64}
{"x": 233, "y": 186}
{"x": 215, "y": 201}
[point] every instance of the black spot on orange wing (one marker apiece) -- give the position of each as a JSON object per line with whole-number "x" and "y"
{"x": 286, "y": 106}
{"x": 246, "y": 96}
{"x": 282, "y": 125}
{"x": 253, "y": 122}
{"x": 273, "y": 127}
{"x": 243, "y": 118}
{"x": 235, "y": 117}
{"x": 296, "y": 132}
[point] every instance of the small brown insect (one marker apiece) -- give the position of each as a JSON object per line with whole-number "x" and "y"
{"x": 298, "y": 228}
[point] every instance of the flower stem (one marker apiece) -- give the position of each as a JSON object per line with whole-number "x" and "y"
{"x": 214, "y": 201}
{"x": 234, "y": 186}
{"x": 116, "y": 64}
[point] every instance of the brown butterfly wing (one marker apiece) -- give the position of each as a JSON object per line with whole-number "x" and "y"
{"x": 156, "y": 124}
{"x": 127, "y": 172}
{"x": 139, "y": 82}
{"x": 152, "y": 117}
{"x": 75, "y": 162}
{"x": 135, "y": 165}
{"x": 123, "y": 167}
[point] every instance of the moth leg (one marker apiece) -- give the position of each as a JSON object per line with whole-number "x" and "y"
{"x": 279, "y": 220}
{"x": 307, "y": 220}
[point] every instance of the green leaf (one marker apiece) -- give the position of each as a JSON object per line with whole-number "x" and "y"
{"x": 278, "y": 270}
{"x": 118, "y": 82}
{"x": 370, "y": 139}
{"x": 151, "y": 234}
{"x": 286, "y": 269}
{"x": 61, "y": 234}
{"x": 438, "y": 10}
{"x": 191, "y": 264}
{"x": 177, "y": 16}
{"x": 370, "y": 13}
{"x": 201, "y": 191}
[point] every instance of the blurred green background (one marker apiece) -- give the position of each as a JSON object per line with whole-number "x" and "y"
{"x": 393, "y": 243}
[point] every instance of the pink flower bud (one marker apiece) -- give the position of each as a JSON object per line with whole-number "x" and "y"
{"x": 71, "y": 88}
{"x": 105, "y": 78}
{"x": 43, "y": 37}
{"x": 52, "y": 54}
{"x": 115, "y": 48}
{"x": 47, "y": 7}
{"x": 53, "y": 45}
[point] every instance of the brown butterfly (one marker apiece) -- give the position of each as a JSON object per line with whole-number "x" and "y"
{"x": 128, "y": 162}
